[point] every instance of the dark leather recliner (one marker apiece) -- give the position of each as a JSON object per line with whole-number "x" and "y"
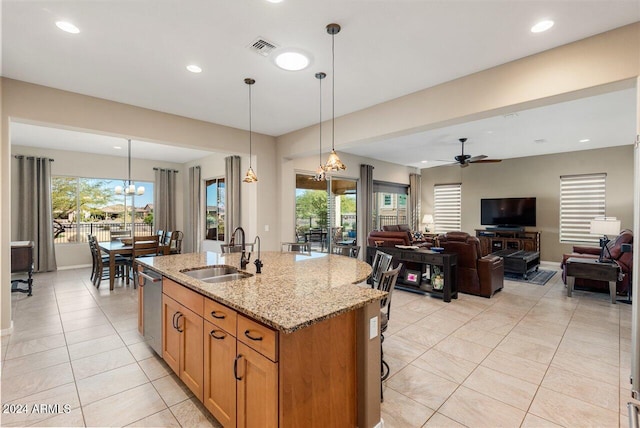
{"x": 388, "y": 239}
{"x": 482, "y": 276}
{"x": 624, "y": 260}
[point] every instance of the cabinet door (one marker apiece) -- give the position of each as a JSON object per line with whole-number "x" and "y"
{"x": 529, "y": 245}
{"x": 219, "y": 395}
{"x": 170, "y": 335}
{"x": 257, "y": 389}
{"x": 191, "y": 350}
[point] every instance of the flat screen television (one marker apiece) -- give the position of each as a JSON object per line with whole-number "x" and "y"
{"x": 508, "y": 212}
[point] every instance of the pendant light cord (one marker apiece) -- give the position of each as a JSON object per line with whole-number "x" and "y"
{"x": 249, "y": 126}
{"x": 320, "y": 122}
{"x": 333, "y": 92}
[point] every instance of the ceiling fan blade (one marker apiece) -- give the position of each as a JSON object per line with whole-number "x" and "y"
{"x": 476, "y": 158}
{"x": 487, "y": 161}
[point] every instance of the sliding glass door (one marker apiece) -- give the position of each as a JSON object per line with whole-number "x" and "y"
{"x": 325, "y": 212}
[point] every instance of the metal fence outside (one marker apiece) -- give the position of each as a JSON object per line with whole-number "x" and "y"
{"x": 387, "y": 220}
{"x": 74, "y": 232}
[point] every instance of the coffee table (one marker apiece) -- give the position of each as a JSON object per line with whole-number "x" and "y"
{"x": 519, "y": 261}
{"x": 592, "y": 269}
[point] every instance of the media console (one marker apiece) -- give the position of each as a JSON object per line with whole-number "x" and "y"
{"x": 498, "y": 239}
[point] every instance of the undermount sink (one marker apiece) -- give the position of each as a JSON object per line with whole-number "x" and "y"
{"x": 220, "y": 273}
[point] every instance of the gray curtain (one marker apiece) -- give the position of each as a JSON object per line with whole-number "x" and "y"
{"x": 232, "y": 199}
{"x": 366, "y": 198}
{"x": 164, "y": 209}
{"x": 35, "y": 216}
{"x": 194, "y": 225}
{"x": 415, "y": 186}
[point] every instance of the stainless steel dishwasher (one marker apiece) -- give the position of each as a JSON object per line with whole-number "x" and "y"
{"x": 151, "y": 283}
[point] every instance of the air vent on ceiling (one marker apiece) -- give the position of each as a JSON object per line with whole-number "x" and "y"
{"x": 262, "y": 47}
{"x": 540, "y": 141}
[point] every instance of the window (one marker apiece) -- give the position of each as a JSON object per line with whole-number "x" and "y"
{"x": 447, "y": 207}
{"x": 582, "y": 198}
{"x": 215, "y": 209}
{"x": 83, "y": 206}
{"x": 390, "y": 204}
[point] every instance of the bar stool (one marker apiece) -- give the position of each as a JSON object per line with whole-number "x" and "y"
{"x": 387, "y": 283}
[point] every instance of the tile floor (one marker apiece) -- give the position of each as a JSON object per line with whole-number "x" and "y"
{"x": 528, "y": 357}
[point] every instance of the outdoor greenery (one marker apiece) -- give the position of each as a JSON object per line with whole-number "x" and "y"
{"x": 94, "y": 194}
{"x": 312, "y": 204}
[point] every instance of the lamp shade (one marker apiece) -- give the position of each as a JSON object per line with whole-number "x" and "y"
{"x": 605, "y": 226}
{"x": 427, "y": 219}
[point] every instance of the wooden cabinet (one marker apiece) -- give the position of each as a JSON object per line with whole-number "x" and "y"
{"x": 257, "y": 389}
{"x": 496, "y": 240}
{"x": 219, "y": 381}
{"x": 182, "y": 345}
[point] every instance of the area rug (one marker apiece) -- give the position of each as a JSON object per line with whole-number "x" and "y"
{"x": 540, "y": 277}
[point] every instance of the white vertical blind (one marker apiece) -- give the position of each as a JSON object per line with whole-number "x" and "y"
{"x": 582, "y": 198}
{"x": 447, "y": 207}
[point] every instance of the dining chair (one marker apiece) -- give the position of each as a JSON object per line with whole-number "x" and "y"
{"x": 161, "y": 235}
{"x": 176, "y": 242}
{"x": 101, "y": 264}
{"x": 347, "y": 250}
{"x": 381, "y": 263}
{"x": 296, "y": 247}
{"x": 387, "y": 283}
{"x": 143, "y": 246}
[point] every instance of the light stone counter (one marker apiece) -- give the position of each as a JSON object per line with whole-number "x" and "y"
{"x": 292, "y": 292}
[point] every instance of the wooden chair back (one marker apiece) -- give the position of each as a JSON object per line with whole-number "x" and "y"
{"x": 145, "y": 246}
{"x": 296, "y": 247}
{"x": 381, "y": 263}
{"x": 347, "y": 250}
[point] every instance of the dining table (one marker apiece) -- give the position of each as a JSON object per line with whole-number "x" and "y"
{"x": 117, "y": 247}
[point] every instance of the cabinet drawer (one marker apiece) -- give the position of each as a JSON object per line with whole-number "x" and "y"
{"x": 221, "y": 315}
{"x": 258, "y": 337}
{"x": 188, "y": 298}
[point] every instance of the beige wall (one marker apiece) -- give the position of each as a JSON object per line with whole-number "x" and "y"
{"x": 539, "y": 177}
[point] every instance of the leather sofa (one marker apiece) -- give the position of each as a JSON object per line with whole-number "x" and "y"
{"x": 388, "y": 239}
{"x": 624, "y": 260}
{"x": 481, "y": 276}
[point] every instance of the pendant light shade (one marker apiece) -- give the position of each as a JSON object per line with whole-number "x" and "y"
{"x": 334, "y": 163}
{"x": 320, "y": 174}
{"x": 250, "y": 176}
{"x": 130, "y": 188}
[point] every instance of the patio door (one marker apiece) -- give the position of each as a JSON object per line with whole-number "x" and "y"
{"x": 325, "y": 211}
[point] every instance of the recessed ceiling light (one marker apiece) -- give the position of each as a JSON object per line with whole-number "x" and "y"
{"x": 274, "y": 1}
{"x": 68, "y": 27}
{"x": 117, "y": 147}
{"x": 540, "y": 141}
{"x": 585, "y": 140}
{"x": 542, "y": 26}
{"x": 424, "y": 161}
{"x": 194, "y": 68}
{"x": 292, "y": 61}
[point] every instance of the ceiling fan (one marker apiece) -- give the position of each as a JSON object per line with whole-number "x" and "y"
{"x": 464, "y": 160}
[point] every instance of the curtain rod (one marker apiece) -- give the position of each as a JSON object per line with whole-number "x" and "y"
{"x": 165, "y": 169}
{"x": 31, "y": 157}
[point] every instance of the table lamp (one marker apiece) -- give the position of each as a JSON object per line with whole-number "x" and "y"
{"x": 427, "y": 219}
{"x": 604, "y": 226}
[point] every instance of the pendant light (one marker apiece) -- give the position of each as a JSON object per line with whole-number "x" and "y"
{"x": 250, "y": 177}
{"x": 333, "y": 163}
{"x": 320, "y": 174}
{"x": 130, "y": 188}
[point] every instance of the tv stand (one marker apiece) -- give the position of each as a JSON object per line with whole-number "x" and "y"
{"x": 506, "y": 227}
{"x": 498, "y": 239}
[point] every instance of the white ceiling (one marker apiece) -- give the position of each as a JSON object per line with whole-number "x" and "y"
{"x": 135, "y": 52}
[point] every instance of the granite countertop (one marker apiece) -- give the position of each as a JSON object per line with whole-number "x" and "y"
{"x": 292, "y": 292}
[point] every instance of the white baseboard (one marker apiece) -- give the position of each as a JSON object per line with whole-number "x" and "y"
{"x": 7, "y": 331}
{"x": 74, "y": 267}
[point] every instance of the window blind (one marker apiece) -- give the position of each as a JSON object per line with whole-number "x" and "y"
{"x": 582, "y": 198}
{"x": 447, "y": 207}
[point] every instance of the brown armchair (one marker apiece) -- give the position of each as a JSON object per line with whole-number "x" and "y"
{"x": 482, "y": 276}
{"x": 624, "y": 260}
{"x": 388, "y": 239}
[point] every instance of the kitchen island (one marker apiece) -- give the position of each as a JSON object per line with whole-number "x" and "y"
{"x": 297, "y": 345}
